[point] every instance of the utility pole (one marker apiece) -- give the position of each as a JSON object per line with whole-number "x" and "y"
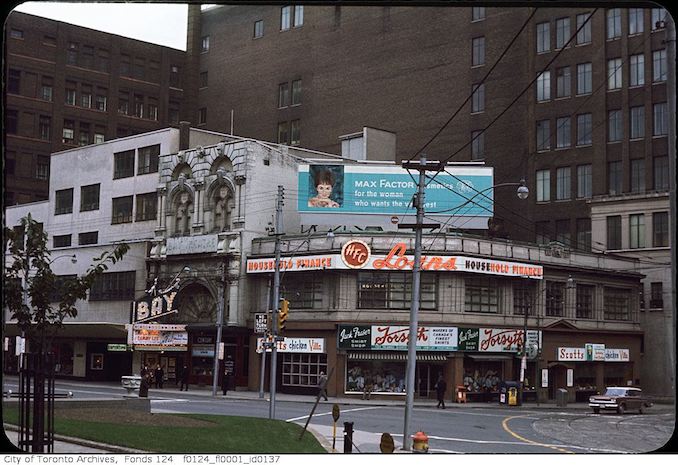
{"x": 220, "y": 322}
{"x": 276, "y": 299}
{"x": 422, "y": 166}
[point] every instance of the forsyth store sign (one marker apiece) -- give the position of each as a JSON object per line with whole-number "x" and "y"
{"x": 356, "y": 254}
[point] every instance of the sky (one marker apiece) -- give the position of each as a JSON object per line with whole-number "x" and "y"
{"x": 158, "y": 23}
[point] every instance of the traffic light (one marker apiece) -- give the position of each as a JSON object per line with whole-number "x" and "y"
{"x": 282, "y": 315}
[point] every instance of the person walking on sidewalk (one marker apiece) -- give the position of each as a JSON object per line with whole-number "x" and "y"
{"x": 159, "y": 374}
{"x": 184, "y": 378}
{"x": 441, "y": 387}
{"x": 322, "y": 385}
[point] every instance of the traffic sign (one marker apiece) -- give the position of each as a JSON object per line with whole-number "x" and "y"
{"x": 260, "y": 323}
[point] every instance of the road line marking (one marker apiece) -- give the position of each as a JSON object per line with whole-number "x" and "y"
{"x": 504, "y": 425}
{"x": 330, "y": 413}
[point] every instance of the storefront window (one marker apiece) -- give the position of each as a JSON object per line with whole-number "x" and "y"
{"x": 303, "y": 369}
{"x": 64, "y": 358}
{"x": 375, "y": 376}
{"x": 485, "y": 376}
{"x": 202, "y": 366}
{"x": 394, "y": 290}
{"x": 617, "y": 374}
{"x": 585, "y": 377}
{"x": 97, "y": 362}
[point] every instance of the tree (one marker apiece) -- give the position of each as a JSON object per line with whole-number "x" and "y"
{"x": 29, "y": 288}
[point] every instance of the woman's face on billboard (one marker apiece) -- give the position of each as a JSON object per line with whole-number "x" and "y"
{"x": 324, "y": 190}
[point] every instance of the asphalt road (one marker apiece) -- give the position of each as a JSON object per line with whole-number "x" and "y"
{"x": 455, "y": 430}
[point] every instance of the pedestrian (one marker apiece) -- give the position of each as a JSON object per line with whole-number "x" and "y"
{"x": 441, "y": 387}
{"x": 184, "y": 378}
{"x": 159, "y": 374}
{"x": 322, "y": 385}
{"x": 224, "y": 381}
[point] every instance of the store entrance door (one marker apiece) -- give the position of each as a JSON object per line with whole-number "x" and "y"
{"x": 427, "y": 377}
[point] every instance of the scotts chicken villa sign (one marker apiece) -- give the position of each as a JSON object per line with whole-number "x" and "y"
{"x": 356, "y": 254}
{"x": 431, "y": 338}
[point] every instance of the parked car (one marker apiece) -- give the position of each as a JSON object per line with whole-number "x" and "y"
{"x": 620, "y": 399}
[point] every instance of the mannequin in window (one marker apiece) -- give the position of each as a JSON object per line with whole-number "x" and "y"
{"x": 183, "y": 218}
{"x": 222, "y": 210}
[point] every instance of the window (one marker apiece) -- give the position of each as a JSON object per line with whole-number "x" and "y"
{"x": 477, "y": 145}
{"x": 11, "y": 121}
{"x": 661, "y": 173}
{"x": 584, "y": 234}
{"x": 175, "y": 76}
{"x": 103, "y": 60}
{"x": 637, "y": 70}
{"x": 295, "y": 132}
{"x": 660, "y": 126}
{"x": 61, "y": 241}
{"x": 14, "y": 81}
{"x": 585, "y": 300}
{"x": 478, "y": 100}
{"x": 614, "y": 177}
{"x": 659, "y": 66}
{"x": 584, "y": 129}
{"x": 148, "y": 159}
{"x": 88, "y": 238}
{"x": 614, "y": 23}
{"x": 138, "y": 106}
{"x": 660, "y": 229}
{"x": 296, "y": 92}
{"x": 72, "y": 54}
{"x": 123, "y": 103}
{"x": 89, "y": 197}
{"x": 100, "y": 102}
{"x": 45, "y": 127}
{"x": 563, "y": 82}
{"x": 258, "y": 29}
{"x": 637, "y": 122}
{"x": 283, "y": 95}
{"x": 635, "y": 21}
{"x": 122, "y": 210}
{"x": 563, "y": 232}
{"x": 394, "y": 290}
{"x": 123, "y": 164}
{"x": 563, "y": 183}
{"x": 304, "y": 290}
{"x": 204, "y": 44}
{"x": 614, "y": 74}
{"x": 283, "y": 132}
{"x": 57, "y": 291}
{"x": 70, "y": 96}
{"x": 523, "y": 298}
{"x": 543, "y": 135}
{"x": 583, "y": 34}
{"x": 477, "y": 13}
{"x": 544, "y": 86}
{"x": 543, "y": 186}
{"x": 16, "y": 33}
{"x": 99, "y": 137}
{"x": 152, "y": 109}
{"x": 147, "y": 206}
{"x": 562, "y": 32}
{"x": 478, "y": 57}
{"x": 285, "y": 19}
{"x": 47, "y": 89}
{"x": 658, "y": 18}
{"x": 637, "y": 231}
{"x": 19, "y": 237}
{"x": 139, "y": 68}
{"x": 303, "y": 369}
{"x": 83, "y": 136}
{"x": 202, "y": 115}
{"x": 49, "y": 41}
{"x": 542, "y": 232}
{"x": 614, "y": 232}
{"x": 584, "y": 82}
{"x": 543, "y": 37}
{"x": 656, "y": 295}
{"x": 617, "y": 303}
{"x": 42, "y": 168}
{"x": 638, "y": 175}
{"x": 86, "y": 97}
{"x": 113, "y": 286}
{"x": 563, "y": 133}
{"x": 614, "y": 126}
{"x": 63, "y": 202}
{"x": 481, "y": 295}
{"x": 555, "y": 298}
{"x": 298, "y": 15}
{"x": 584, "y": 182}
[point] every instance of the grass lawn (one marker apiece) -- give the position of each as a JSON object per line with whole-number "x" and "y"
{"x": 173, "y": 433}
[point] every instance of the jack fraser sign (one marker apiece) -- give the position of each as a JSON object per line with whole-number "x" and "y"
{"x": 357, "y": 255}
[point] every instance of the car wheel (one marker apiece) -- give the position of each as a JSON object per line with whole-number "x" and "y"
{"x": 596, "y": 410}
{"x": 621, "y": 409}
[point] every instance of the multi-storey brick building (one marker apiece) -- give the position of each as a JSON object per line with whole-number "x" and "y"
{"x": 69, "y": 86}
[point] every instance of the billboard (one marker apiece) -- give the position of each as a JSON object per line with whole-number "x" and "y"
{"x": 374, "y": 194}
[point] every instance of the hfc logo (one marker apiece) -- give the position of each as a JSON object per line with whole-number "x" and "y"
{"x": 355, "y": 254}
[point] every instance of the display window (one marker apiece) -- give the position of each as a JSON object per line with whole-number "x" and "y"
{"x": 96, "y": 362}
{"x": 485, "y": 376}
{"x": 64, "y": 358}
{"x": 376, "y": 376}
{"x": 302, "y": 369}
{"x": 617, "y": 374}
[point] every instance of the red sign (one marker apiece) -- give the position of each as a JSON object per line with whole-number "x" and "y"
{"x": 355, "y": 254}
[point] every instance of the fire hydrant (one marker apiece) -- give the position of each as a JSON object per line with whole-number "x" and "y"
{"x": 420, "y": 442}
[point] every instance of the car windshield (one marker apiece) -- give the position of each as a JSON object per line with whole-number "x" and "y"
{"x": 615, "y": 392}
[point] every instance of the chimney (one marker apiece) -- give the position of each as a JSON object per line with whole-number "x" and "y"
{"x": 184, "y": 134}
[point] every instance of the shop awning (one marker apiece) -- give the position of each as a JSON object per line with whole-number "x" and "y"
{"x": 490, "y": 357}
{"x": 391, "y": 356}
